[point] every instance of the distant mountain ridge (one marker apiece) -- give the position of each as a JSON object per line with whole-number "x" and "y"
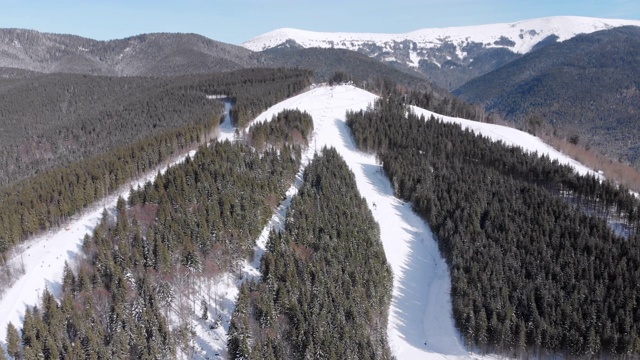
{"x": 26, "y": 53}
{"x": 588, "y": 86}
{"x": 158, "y": 54}
{"x": 448, "y": 56}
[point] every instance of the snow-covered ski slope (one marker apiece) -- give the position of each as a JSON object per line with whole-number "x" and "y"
{"x": 420, "y": 325}
{"x": 420, "y": 321}
{"x": 44, "y": 256}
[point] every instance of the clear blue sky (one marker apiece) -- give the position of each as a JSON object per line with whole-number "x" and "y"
{"x": 236, "y": 21}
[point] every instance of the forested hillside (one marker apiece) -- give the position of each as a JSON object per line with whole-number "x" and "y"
{"x": 288, "y": 127}
{"x": 139, "y": 270}
{"x": 587, "y": 88}
{"x": 326, "y": 284}
{"x": 340, "y": 66}
{"x": 157, "y": 54}
{"x": 359, "y": 67}
{"x": 532, "y": 273}
{"x": 52, "y": 120}
{"x": 48, "y": 199}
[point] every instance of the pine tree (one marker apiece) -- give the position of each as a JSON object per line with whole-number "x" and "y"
{"x": 204, "y": 310}
{"x": 13, "y": 342}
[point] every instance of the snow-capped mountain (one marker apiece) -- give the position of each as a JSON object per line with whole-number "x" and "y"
{"x": 458, "y": 53}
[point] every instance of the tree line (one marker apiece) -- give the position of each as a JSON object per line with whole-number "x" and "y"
{"x": 50, "y": 199}
{"x": 52, "y": 120}
{"x": 192, "y": 223}
{"x": 287, "y": 127}
{"x": 532, "y": 274}
{"x": 326, "y": 285}
{"x": 46, "y": 200}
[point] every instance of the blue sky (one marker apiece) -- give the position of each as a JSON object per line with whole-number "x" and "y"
{"x": 239, "y": 20}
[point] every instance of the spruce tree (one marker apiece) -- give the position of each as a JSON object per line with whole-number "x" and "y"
{"x": 13, "y": 342}
{"x": 204, "y": 311}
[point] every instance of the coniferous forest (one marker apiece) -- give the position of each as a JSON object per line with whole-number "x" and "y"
{"x": 51, "y": 196}
{"x": 287, "y": 127}
{"x": 53, "y": 120}
{"x": 196, "y": 220}
{"x": 535, "y": 268}
{"x": 326, "y": 285}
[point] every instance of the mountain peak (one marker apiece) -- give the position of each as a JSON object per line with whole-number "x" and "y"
{"x": 447, "y": 56}
{"x": 525, "y": 34}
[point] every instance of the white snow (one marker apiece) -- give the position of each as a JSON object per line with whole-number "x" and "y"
{"x": 420, "y": 316}
{"x": 389, "y": 58}
{"x": 216, "y": 97}
{"x": 415, "y": 59}
{"x": 525, "y": 34}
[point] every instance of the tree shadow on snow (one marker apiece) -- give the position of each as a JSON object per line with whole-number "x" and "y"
{"x": 421, "y": 303}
